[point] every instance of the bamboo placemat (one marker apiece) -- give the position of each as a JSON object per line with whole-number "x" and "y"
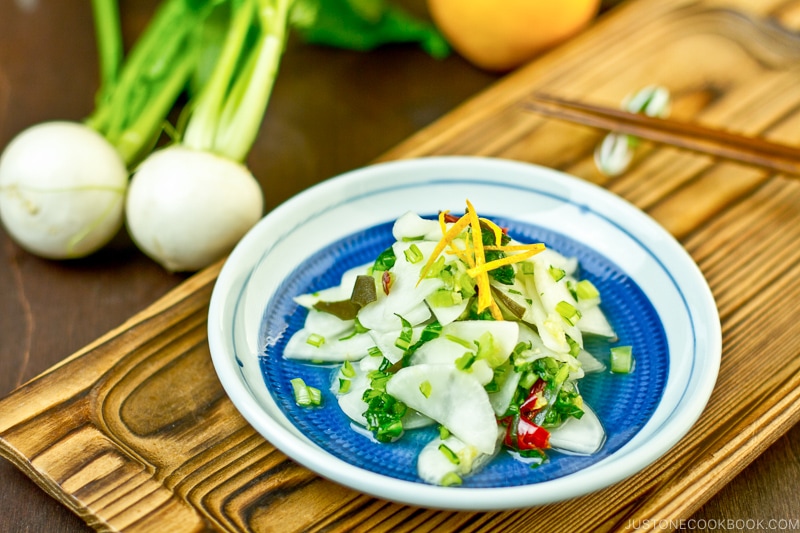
{"x": 134, "y": 432}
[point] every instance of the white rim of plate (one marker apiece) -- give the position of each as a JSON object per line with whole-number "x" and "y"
{"x": 243, "y": 289}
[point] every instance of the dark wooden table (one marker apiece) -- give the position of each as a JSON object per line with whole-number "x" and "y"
{"x": 331, "y": 111}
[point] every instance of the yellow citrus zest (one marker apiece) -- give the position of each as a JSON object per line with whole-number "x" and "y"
{"x": 474, "y": 254}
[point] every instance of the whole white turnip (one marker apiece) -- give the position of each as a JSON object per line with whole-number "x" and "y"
{"x": 187, "y": 208}
{"x": 62, "y": 190}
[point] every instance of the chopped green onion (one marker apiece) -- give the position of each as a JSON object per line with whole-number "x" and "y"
{"x": 562, "y": 374}
{"x": 347, "y": 370}
{"x": 585, "y": 290}
{"x": 450, "y": 479}
{"x": 528, "y": 379}
{"x": 465, "y": 361}
{"x": 425, "y": 388}
{"x": 413, "y": 254}
{"x": 315, "y": 340}
{"x": 379, "y": 380}
{"x": 315, "y": 395}
{"x": 526, "y": 267}
{"x": 305, "y": 396}
{"x": 417, "y": 238}
{"x": 466, "y": 284}
{"x": 404, "y": 340}
{"x": 459, "y": 340}
{"x": 344, "y": 385}
{"x": 385, "y": 365}
{"x": 556, "y": 273}
{"x": 621, "y": 359}
{"x": 443, "y": 432}
{"x": 450, "y": 454}
{"x": 568, "y": 312}
{"x": 487, "y": 350}
{"x": 444, "y": 298}
{"x": 436, "y": 268}
{"x": 375, "y": 352}
{"x": 574, "y": 347}
{"x": 390, "y": 431}
{"x": 385, "y": 260}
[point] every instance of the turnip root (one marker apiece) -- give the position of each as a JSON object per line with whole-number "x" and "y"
{"x": 62, "y": 189}
{"x": 188, "y": 208}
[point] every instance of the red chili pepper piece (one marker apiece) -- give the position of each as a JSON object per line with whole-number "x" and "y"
{"x": 529, "y": 407}
{"x": 530, "y": 436}
{"x": 386, "y": 281}
{"x": 521, "y": 432}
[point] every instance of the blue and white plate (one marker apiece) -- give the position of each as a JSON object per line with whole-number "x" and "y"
{"x": 653, "y": 293}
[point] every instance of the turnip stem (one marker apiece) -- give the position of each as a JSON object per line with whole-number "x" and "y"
{"x": 138, "y": 138}
{"x": 109, "y": 44}
{"x": 202, "y": 125}
{"x": 154, "y": 74}
{"x": 244, "y": 110}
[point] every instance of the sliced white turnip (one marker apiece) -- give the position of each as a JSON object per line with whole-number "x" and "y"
{"x": 306, "y": 345}
{"x": 452, "y": 398}
{"x": 583, "y": 436}
{"x": 501, "y": 399}
{"x": 327, "y": 325}
{"x": 343, "y": 291}
{"x": 406, "y": 296}
{"x": 551, "y": 294}
{"x": 445, "y": 314}
{"x": 594, "y": 322}
{"x": 441, "y": 458}
{"x": 590, "y": 363}
{"x": 538, "y": 350}
{"x": 411, "y": 226}
{"x": 502, "y": 334}
{"x": 62, "y": 190}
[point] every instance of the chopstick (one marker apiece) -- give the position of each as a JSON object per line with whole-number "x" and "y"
{"x": 719, "y": 143}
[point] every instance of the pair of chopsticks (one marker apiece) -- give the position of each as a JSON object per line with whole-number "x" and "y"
{"x": 719, "y": 143}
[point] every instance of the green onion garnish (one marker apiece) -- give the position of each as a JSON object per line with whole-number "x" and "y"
{"x": 375, "y": 352}
{"x": 413, "y": 254}
{"x": 585, "y": 290}
{"x": 436, "y": 268}
{"x": 459, "y": 340}
{"x": 526, "y": 267}
{"x": 404, "y": 340}
{"x": 568, "y": 312}
{"x": 528, "y": 379}
{"x": 315, "y": 340}
{"x": 425, "y": 388}
{"x": 450, "y": 479}
{"x": 443, "y": 432}
{"x": 305, "y": 396}
{"x": 556, "y": 273}
{"x": 344, "y": 385}
{"x": 315, "y": 395}
{"x": 621, "y": 359}
{"x": 574, "y": 347}
{"x": 450, "y": 454}
{"x": 465, "y": 361}
{"x": 444, "y": 298}
{"x": 347, "y": 370}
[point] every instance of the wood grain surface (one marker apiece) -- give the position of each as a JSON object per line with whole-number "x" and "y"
{"x": 134, "y": 433}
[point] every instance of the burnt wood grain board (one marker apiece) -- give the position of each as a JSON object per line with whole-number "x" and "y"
{"x": 134, "y": 432}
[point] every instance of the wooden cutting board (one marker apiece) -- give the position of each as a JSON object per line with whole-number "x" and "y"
{"x": 134, "y": 432}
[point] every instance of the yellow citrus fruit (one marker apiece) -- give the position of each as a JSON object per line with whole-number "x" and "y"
{"x": 500, "y": 35}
